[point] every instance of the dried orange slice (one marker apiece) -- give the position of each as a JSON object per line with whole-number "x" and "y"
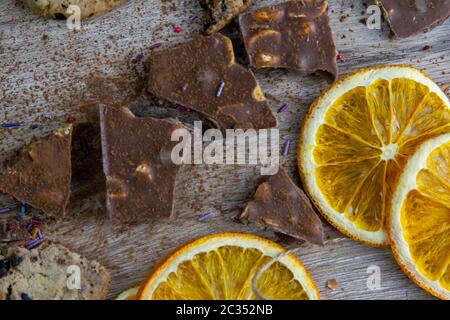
{"x": 419, "y": 223}
{"x": 357, "y": 138}
{"x": 229, "y": 266}
{"x": 129, "y": 294}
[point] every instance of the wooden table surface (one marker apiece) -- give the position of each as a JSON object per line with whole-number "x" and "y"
{"x": 48, "y": 72}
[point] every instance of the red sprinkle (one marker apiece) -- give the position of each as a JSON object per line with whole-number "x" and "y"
{"x": 71, "y": 119}
{"x": 339, "y": 57}
{"x": 177, "y": 29}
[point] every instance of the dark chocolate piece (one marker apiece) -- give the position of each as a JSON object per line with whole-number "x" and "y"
{"x": 280, "y": 205}
{"x": 408, "y": 17}
{"x": 202, "y": 75}
{"x": 40, "y": 173}
{"x": 294, "y": 35}
{"x": 140, "y": 176}
{"x": 220, "y": 12}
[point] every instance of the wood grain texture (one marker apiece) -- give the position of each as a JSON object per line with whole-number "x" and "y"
{"x": 48, "y": 72}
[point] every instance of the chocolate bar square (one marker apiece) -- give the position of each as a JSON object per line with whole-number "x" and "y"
{"x": 202, "y": 75}
{"x": 40, "y": 173}
{"x": 280, "y": 205}
{"x": 408, "y": 17}
{"x": 294, "y": 35}
{"x": 140, "y": 175}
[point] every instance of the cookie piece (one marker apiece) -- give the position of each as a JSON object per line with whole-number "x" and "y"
{"x": 140, "y": 175}
{"x": 46, "y": 273}
{"x": 57, "y": 9}
{"x": 202, "y": 75}
{"x": 40, "y": 173}
{"x": 220, "y": 12}
{"x": 294, "y": 35}
{"x": 408, "y": 17}
{"x": 280, "y": 205}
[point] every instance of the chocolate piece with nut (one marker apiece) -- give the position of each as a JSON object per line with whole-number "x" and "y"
{"x": 40, "y": 173}
{"x": 140, "y": 175}
{"x": 220, "y": 12}
{"x": 202, "y": 75}
{"x": 294, "y": 35}
{"x": 280, "y": 205}
{"x": 408, "y": 17}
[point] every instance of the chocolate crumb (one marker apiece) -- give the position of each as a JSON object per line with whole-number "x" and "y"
{"x": 332, "y": 284}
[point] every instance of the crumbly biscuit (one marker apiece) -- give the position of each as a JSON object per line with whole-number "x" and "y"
{"x": 45, "y": 274}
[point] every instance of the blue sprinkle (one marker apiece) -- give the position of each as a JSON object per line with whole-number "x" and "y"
{"x": 11, "y": 125}
{"x": 286, "y": 147}
{"x": 5, "y": 210}
{"x": 205, "y": 217}
{"x": 23, "y": 208}
{"x": 220, "y": 89}
{"x": 282, "y": 108}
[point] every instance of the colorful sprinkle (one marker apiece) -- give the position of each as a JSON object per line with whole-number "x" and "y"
{"x": 34, "y": 233}
{"x": 71, "y": 119}
{"x": 156, "y": 45}
{"x": 205, "y": 217}
{"x": 11, "y": 125}
{"x": 286, "y": 147}
{"x": 283, "y": 108}
{"x": 5, "y": 210}
{"x": 23, "y": 208}
{"x": 177, "y": 29}
{"x": 138, "y": 57}
{"x": 34, "y": 126}
{"x": 220, "y": 89}
{"x": 30, "y": 244}
{"x": 340, "y": 58}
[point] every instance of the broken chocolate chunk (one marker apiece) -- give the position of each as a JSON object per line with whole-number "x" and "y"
{"x": 140, "y": 175}
{"x": 408, "y": 17}
{"x": 280, "y": 205}
{"x": 40, "y": 173}
{"x": 202, "y": 75}
{"x": 294, "y": 35}
{"x": 220, "y": 12}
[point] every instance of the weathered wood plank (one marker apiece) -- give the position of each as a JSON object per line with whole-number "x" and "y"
{"x": 49, "y": 72}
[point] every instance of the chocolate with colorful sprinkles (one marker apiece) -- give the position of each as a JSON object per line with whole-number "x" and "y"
{"x": 203, "y": 76}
